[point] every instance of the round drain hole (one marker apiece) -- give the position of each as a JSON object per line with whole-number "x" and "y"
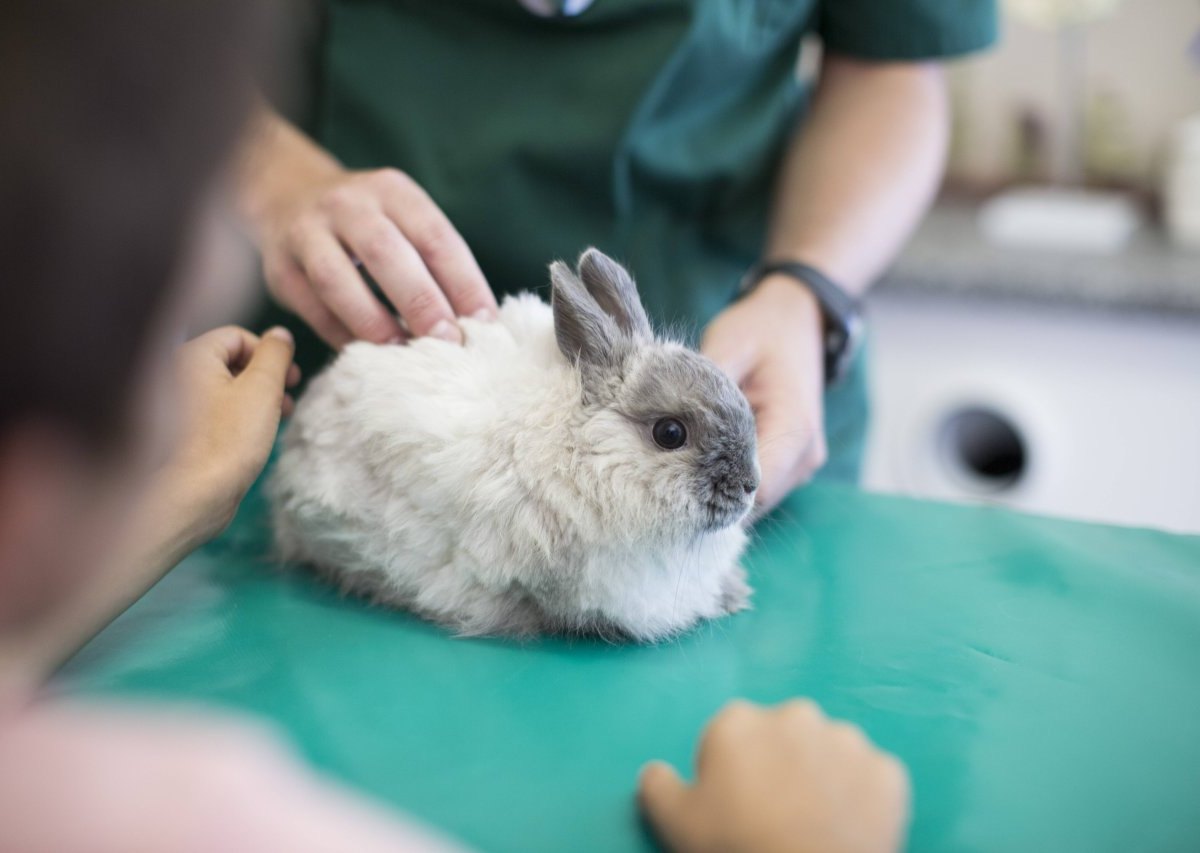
{"x": 983, "y": 449}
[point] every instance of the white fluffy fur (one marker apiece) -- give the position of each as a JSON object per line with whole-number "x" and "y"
{"x": 467, "y": 484}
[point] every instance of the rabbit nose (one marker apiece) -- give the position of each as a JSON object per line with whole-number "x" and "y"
{"x": 749, "y": 486}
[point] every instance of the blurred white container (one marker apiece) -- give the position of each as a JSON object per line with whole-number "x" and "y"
{"x": 1060, "y": 219}
{"x": 1054, "y": 14}
{"x": 1181, "y": 185}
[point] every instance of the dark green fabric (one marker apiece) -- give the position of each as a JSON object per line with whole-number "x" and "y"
{"x": 650, "y": 128}
{"x": 1037, "y": 677}
{"x": 846, "y": 419}
{"x": 906, "y": 29}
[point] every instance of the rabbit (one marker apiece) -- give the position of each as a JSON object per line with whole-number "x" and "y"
{"x": 563, "y": 471}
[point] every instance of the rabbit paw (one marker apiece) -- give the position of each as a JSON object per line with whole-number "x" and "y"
{"x": 735, "y": 592}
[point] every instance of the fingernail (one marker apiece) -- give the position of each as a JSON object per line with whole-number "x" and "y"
{"x": 395, "y": 339}
{"x": 447, "y": 331}
{"x": 649, "y": 766}
{"x": 485, "y": 314}
{"x": 280, "y": 333}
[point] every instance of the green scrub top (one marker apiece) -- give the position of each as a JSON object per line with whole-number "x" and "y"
{"x": 652, "y": 129}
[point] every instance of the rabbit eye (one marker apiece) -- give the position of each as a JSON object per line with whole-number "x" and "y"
{"x": 669, "y": 433}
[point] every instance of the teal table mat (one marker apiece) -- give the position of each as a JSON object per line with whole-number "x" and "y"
{"x": 1041, "y": 679}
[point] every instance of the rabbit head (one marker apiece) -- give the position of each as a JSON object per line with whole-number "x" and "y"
{"x": 665, "y": 437}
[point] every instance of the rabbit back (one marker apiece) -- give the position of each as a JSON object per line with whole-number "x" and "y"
{"x": 398, "y": 477}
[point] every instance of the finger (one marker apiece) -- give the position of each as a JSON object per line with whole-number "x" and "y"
{"x": 733, "y": 354}
{"x": 337, "y": 283}
{"x": 292, "y": 288}
{"x": 800, "y": 712}
{"x": 662, "y": 797}
{"x": 269, "y": 365}
{"x": 395, "y": 264}
{"x": 443, "y": 250}
{"x": 293, "y": 376}
{"x": 781, "y": 445}
{"x": 726, "y": 732}
{"x": 289, "y": 406}
{"x": 229, "y": 346}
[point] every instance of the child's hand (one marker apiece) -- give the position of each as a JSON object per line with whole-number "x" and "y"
{"x": 780, "y": 779}
{"x": 234, "y": 392}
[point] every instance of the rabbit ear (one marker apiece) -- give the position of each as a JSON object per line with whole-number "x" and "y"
{"x": 586, "y": 335}
{"x": 613, "y": 288}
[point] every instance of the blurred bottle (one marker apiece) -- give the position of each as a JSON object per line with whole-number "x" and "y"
{"x": 1110, "y": 154}
{"x": 1181, "y": 185}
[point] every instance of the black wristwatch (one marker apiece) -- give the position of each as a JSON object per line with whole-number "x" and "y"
{"x": 841, "y": 311}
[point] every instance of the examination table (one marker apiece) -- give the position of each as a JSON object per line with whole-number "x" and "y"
{"x": 1041, "y": 679}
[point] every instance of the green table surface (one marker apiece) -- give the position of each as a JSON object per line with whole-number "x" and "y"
{"x": 1041, "y": 679}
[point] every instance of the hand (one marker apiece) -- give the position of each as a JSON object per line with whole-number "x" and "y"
{"x": 75, "y": 778}
{"x": 234, "y": 392}
{"x": 315, "y": 220}
{"x": 780, "y": 779}
{"x": 770, "y": 344}
{"x": 232, "y": 395}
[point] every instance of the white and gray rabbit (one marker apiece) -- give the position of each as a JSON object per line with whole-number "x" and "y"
{"x": 564, "y": 471}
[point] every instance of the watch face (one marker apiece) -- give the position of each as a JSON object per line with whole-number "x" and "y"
{"x": 838, "y": 362}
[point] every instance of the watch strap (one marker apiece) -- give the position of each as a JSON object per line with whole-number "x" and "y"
{"x": 842, "y": 313}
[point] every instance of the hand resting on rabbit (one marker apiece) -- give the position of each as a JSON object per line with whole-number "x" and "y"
{"x": 564, "y": 471}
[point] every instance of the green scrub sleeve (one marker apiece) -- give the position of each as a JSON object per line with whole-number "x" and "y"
{"x": 906, "y": 29}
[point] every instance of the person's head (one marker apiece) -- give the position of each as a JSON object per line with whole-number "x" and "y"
{"x": 114, "y": 119}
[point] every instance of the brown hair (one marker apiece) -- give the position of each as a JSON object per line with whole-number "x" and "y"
{"x": 113, "y": 117}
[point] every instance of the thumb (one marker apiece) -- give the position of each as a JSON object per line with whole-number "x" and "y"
{"x": 779, "y": 448}
{"x": 731, "y": 352}
{"x": 268, "y": 366}
{"x": 662, "y": 797}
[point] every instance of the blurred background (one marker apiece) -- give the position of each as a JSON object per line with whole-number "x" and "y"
{"x": 1038, "y": 343}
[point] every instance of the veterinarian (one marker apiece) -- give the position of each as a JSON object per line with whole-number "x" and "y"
{"x": 454, "y": 149}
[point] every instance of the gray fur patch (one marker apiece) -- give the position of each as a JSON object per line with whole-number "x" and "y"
{"x": 585, "y": 334}
{"x": 601, "y": 327}
{"x": 615, "y": 292}
{"x": 721, "y": 428}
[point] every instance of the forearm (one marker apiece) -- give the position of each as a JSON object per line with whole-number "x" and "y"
{"x": 862, "y": 170}
{"x": 165, "y": 528}
{"x": 274, "y": 159}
